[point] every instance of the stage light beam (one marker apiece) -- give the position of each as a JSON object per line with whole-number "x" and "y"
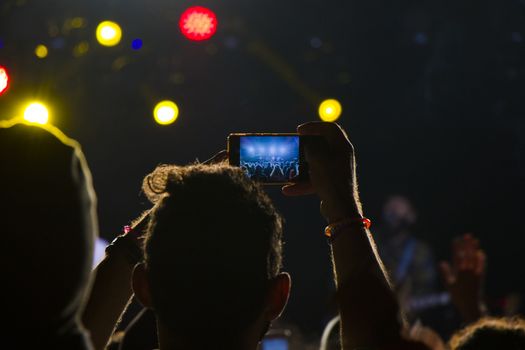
{"x": 41, "y": 51}
{"x": 108, "y": 33}
{"x": 166, "y": 112}
{"x": 330, "y": 110}
{"x": 37, "y": 113}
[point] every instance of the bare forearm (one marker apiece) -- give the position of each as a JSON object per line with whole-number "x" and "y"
{"x": 368, "y": 307}
{"x": 109, "y": 296}
{"x": 112, "y": 289}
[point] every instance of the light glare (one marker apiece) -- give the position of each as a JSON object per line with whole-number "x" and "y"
{"x": 4, "y": 79}
{"x": 37, "y": 113}
{"x": 166, "y": 112}
{"x": 330, "y": 110}
{"x": 198, "y": 23}
{"x": 108, "y": 33}
{"x": 41, "y": 51}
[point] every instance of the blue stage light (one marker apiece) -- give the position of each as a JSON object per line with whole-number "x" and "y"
{"x": 136, "y": 44}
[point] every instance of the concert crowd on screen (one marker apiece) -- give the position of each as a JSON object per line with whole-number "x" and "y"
{"x": 270, "y": 158}
{"x": 276, "y": 170}
{"x": 203, "y": 268}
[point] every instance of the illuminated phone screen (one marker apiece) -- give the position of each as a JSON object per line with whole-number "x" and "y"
{"x": 270, "y": 158}
{"x": 275, "y": 344}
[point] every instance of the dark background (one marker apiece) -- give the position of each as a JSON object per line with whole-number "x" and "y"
{"x": 433, "y": 96}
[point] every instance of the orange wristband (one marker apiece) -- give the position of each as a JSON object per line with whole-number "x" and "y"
{"x": 333, "y": 230}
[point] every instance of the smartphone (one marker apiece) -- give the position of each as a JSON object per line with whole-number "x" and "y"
{"x": 275, "y": 343}
{"x": 276, "y": 339}
{"x": 269, "y": 158}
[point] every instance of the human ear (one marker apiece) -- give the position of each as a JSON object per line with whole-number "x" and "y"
{"x": 278, "y": 295}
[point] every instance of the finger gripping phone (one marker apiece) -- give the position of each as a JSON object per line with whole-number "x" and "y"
{"x": 269, "y": 158}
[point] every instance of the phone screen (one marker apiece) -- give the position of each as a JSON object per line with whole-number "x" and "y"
{"x": 270, "y": 159}
{"x": 275, "y": 344}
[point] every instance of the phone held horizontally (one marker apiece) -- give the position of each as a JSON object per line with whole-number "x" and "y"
{"x": 269, "y": 158}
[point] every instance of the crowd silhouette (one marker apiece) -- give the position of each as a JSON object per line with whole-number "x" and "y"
{"x": 206, "y": 261}
{"x": 271, "y": 171}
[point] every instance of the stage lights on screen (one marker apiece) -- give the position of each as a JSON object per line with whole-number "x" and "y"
{"x": 108, "y": 33}
{"x": 4, "y": 80}
{"x": 198, "y": 23}
{"x": 37, "y": 113}
{"x": 41, "y": 51}
{"x": 271, "y": 150}
{"x": 165, "y": 112}
{"x": 330, "y": 110}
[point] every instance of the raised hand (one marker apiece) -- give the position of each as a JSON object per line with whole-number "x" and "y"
{"x": 463, "y": 277}
{"x": 369, "y": 311}
{"x": 331, "y": 163}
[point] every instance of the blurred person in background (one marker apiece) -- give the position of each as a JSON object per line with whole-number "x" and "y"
{"x": 464, "y": 276}
{"x": 49, "y": 224}
{"x": 408, "y": 259}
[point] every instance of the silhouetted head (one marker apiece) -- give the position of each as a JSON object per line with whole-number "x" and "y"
{"x": 212, "y": 256}
{"x": 48, "y": 224}
{"x": 398, "y": 213}
{"x": 491, "y": 334}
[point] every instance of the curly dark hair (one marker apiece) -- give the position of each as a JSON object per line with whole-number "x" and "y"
{"x": 491, "y": 333}
{"x": 213, "y": 243}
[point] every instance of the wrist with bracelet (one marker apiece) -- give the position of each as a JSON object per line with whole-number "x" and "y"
{"x": 334, "y": 230}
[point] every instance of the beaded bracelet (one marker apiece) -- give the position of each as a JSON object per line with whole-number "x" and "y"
{"x": 333, "y": 230}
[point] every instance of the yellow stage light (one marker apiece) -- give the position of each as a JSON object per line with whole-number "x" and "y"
{"x": 330, "y": 110}
{"x": 41, "y": 51}
{"x": 108, "y": 33}
{"x": 37, "y": 113}
{"x": 165, "y": 112}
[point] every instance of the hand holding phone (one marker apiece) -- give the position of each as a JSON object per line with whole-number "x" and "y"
{"x": 332, "y": 166}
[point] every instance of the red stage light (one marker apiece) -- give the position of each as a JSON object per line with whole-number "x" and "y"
{"x": 4, "y": 79}
{"x": 198, "y": 23}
